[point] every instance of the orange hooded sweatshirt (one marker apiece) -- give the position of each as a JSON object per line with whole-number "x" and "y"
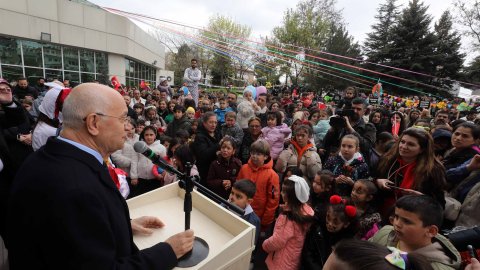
{"x": 267, "y": 197}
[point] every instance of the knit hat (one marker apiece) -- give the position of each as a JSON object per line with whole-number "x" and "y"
{"x": 190, "y": 110}
{"x": 302, "y": 190}
{"x": 2, "y": 80}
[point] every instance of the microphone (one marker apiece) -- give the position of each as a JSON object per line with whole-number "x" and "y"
{"x": 142, "y": 148}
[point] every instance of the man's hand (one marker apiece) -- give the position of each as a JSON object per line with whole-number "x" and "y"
{"x": 475, "y": 265}
{"x": 181, "y": 243}
{"x": 144, "y": 225}
{"x": 226, "y": 184}
{"x": 348, "y": 126}
{"x": 134, "y": 182}
{"x": 474, "y": 163}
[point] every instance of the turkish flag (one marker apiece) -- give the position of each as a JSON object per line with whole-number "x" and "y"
{"x": 116, "y": 84}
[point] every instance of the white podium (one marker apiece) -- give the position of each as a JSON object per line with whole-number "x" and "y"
{"x": 231, "y": 239}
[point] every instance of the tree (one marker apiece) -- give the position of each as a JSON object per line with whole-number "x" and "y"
{"x": 342, "y": 43}
{"x": 304, "y": 28}
{"x": 468, "y": 15}
{"x": 229, "y": 37}
{"x": 472, "y": 71}
{"x": 449, "y": 59}
{"x": 413, "y": 44}
{"x": 378, "y": 44}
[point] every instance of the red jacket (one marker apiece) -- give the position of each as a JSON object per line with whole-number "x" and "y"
{"x": 267, "y": 197}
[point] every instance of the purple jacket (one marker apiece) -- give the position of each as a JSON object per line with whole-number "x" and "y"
{"x": 275, "y": 136}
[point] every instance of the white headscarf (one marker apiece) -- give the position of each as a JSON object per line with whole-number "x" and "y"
{"x": 302, "y": 190}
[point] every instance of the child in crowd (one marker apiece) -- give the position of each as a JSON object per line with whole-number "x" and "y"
{"x": 181, "y": 155}
{"x": 346, "y": 102}
{"x": 246, "y": 109}
{"x": 241, "y": 195}
{"x": 138, "y": 108}
{"x": 363, "y": 196}
{"x": 323, "y": 187}
{"x": 180, "y": 121}
{"x": 162, "y": 110}
{"x": 147, "y": 181}
{"x": 193, "y": 131}
{"x": 348, "y": 165}
{"x": 322, "y": 126}
{"x": 284, "y": 247}
{"x": 286, "y": 99}
{"x": 259, "y": 170}
{"x": 171, "y": 107}
{"x": 166, "y": 141}
{"x": 416, "y": 224}
{"x": 232, "y": 129}
{"x": 224, "y": 170}
{"x": 140, "y": 126}
{"x": 190, "y": 112}
{"x": 222, "y": 110}
{"x": 339, "y": 223}
{"x": 152, "y": 119}
{"x": 275, "y": 133}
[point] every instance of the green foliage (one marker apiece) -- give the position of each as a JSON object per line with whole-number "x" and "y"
{"x": 449, "y": 59}
{"x": 378, "y": 44}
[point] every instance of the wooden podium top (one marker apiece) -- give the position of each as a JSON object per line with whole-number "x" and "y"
{"x": 227, "y": 235}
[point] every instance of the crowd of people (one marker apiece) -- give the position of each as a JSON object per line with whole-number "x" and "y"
{"x": 337, "y": 181}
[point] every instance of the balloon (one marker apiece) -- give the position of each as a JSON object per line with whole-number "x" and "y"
{"x": 261, "y": 90}
{"x": 251, "y": 89}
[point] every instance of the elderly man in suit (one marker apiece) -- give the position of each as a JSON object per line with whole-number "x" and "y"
{"x": 65, "y": 212}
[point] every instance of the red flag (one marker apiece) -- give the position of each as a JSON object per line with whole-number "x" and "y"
{"x": 143, "y": 85}
{"x": 116, "y": 84}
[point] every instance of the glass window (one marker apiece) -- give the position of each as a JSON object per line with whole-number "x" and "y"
{"x": 11, "y": 73}
{"x": 103, "y": 78}
{"x": 101, "y": 61}
{"x": 51, "y": 74}
{"x": 127, "y": 68}
{"x": 74, "y": 77}
{"x": 87, "y": 63}
{"x": 10, "y": 51}
{"x": 137, "y": 70}
{"x": 33, "y": 74}
{"x": 70, "y": 59}
{"x": 53, "y": 56}
{"x": 32, "y": 53}
{"x": 87, "y": 77}
{"x": 132, "y": 68}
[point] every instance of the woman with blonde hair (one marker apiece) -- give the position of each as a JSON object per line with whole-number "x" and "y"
{"x": 410, "y": 167}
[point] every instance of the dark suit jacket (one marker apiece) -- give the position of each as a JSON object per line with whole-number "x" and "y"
{"x": 66, "y": 213}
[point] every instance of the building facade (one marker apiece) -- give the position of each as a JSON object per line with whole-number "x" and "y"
{"x": 76, "y": 40}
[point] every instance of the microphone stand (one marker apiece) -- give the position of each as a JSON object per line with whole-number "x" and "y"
{"x": 200, "y": 248}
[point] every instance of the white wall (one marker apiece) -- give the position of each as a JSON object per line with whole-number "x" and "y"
{"x": 79, "y": 25}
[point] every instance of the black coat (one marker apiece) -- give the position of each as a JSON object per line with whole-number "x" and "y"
{"x": 9, "y": 117}
{"x": 205, "y": 149}
{"x": 65, "y": 212}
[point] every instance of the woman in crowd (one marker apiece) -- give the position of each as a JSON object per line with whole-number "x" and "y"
{"x": 410, "y": 167}
{"x": 206, "y": 144}
{"x": 250, "y": 136}
{"x": 464, "y": 139}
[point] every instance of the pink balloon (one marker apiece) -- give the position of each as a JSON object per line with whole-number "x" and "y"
{"x": 261, "y": 90}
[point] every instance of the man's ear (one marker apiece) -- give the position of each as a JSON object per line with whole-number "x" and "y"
{"x": 369, "y": 197}
{"x": 250, "y": 201}
{"x": 91, "y": 122}
{"x": 432, "y": 231}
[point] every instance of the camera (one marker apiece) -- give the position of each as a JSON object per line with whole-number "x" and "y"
{"x": 345, "y": 112}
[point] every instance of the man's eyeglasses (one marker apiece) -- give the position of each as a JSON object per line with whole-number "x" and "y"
{"x": 124, "y": 118}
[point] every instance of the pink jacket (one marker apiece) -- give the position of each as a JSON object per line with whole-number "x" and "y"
{"x": 284, "y": 247}
{"x": 275, "y": 136}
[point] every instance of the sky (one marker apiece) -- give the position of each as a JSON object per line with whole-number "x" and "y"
{"x": 263, "y": 15}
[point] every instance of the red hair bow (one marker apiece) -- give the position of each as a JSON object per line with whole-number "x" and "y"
{"x": 350, "y": 210}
